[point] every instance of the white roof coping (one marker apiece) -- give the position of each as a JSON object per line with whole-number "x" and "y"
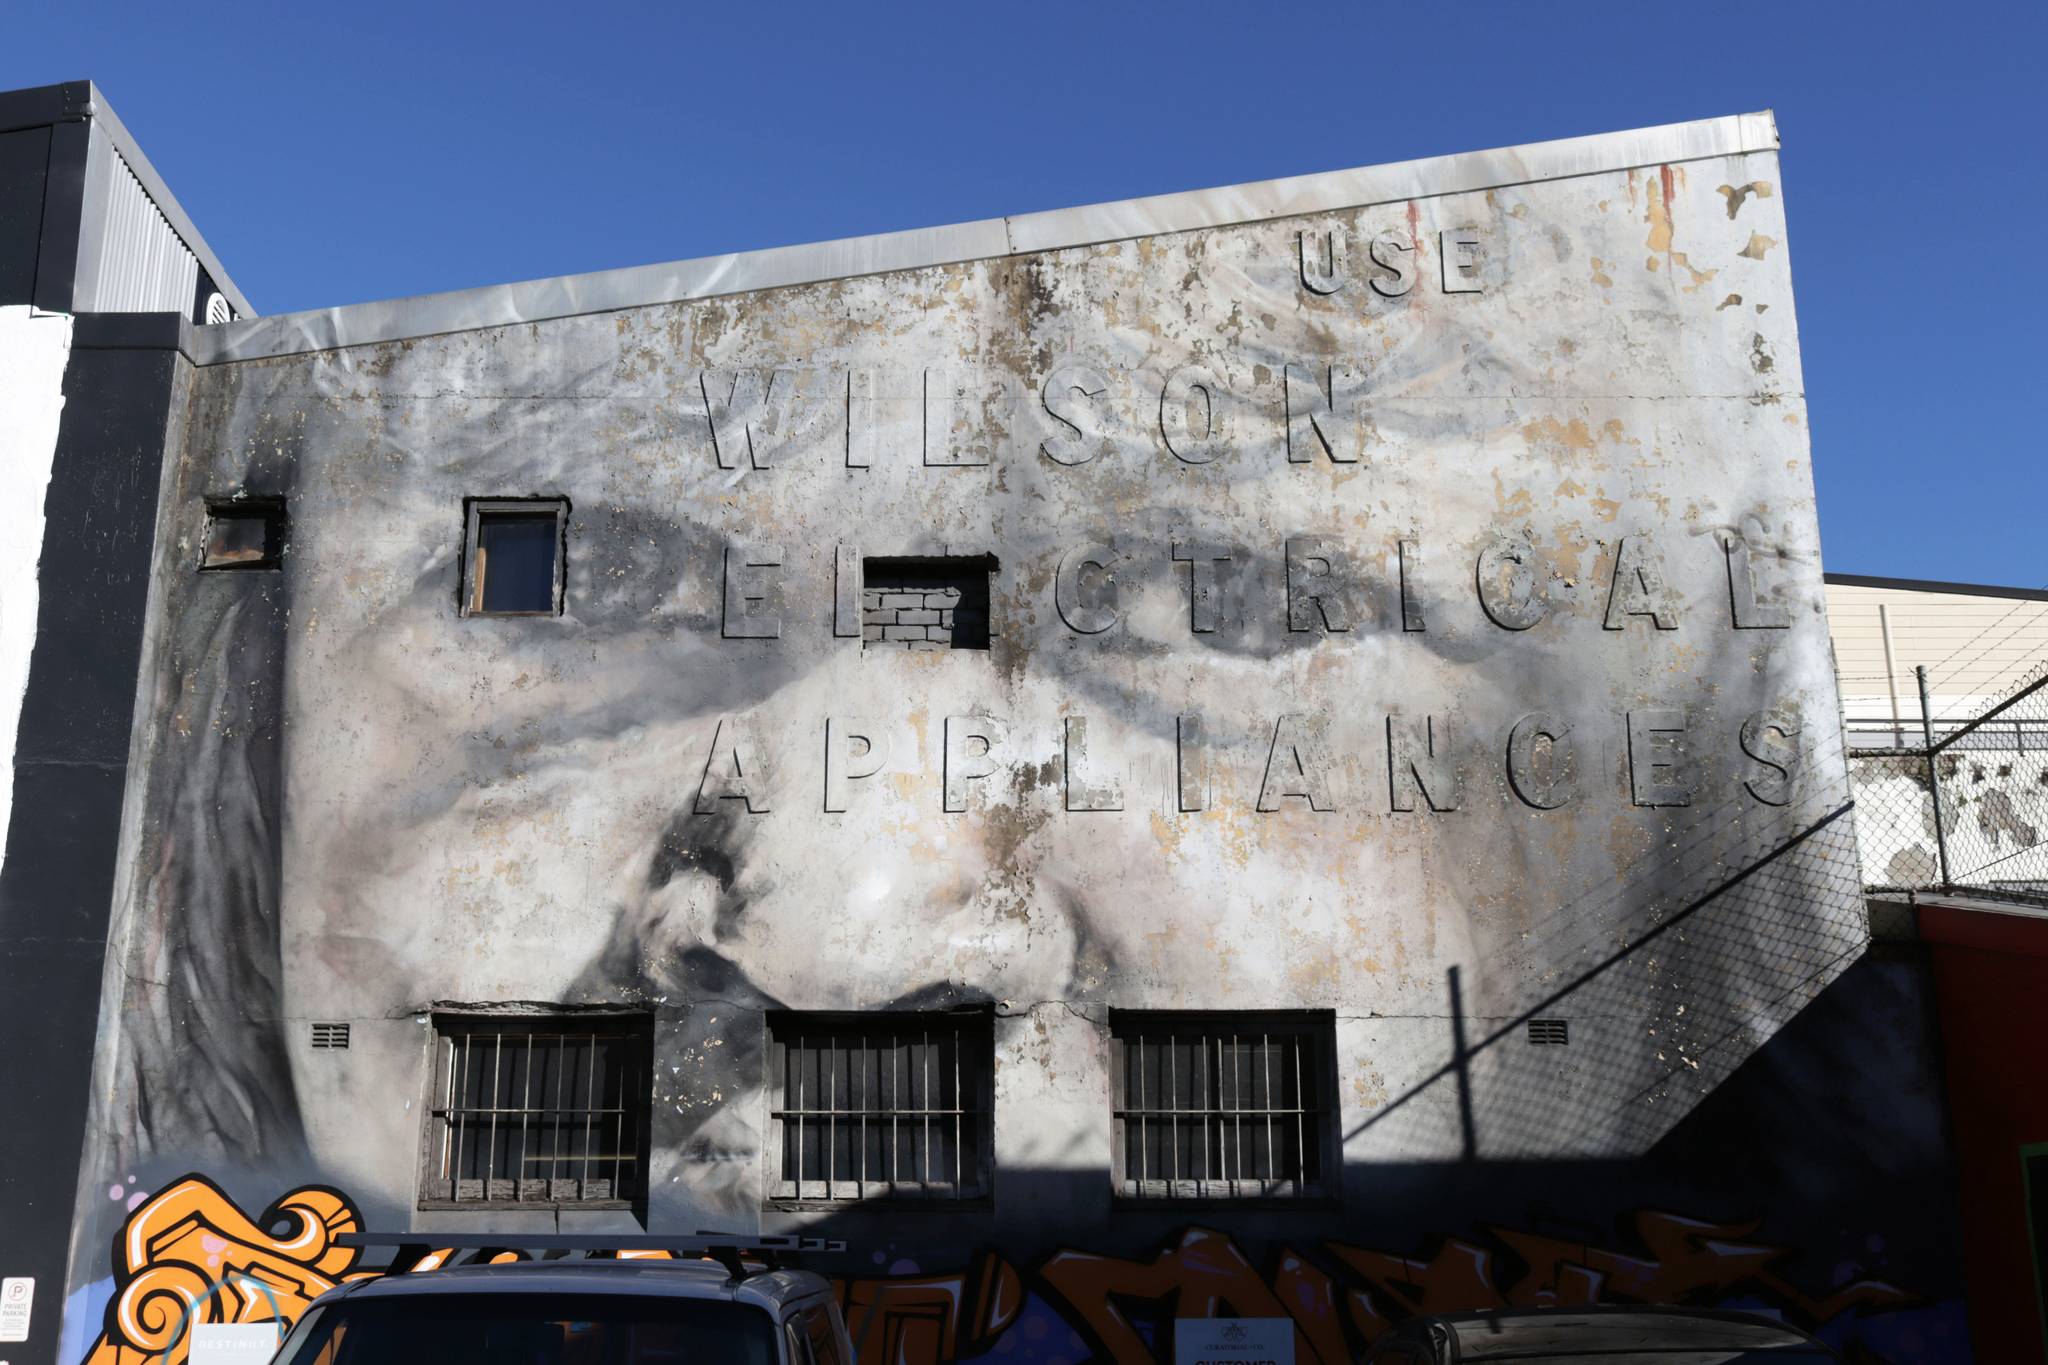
{"x": 988, "y": 239}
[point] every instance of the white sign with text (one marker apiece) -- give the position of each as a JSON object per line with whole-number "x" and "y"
{"x": 234, "y": 1343}
{"x": 17, "y": 1299}
{"x": 1233, "y": 1341}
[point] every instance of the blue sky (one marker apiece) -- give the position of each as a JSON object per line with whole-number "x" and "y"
{"x": 335, "y": 153}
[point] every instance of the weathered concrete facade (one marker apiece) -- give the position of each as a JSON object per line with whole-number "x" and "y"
{"x": 1402, "y": 607}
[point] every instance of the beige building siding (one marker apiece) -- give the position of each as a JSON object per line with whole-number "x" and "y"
{"x": 1978, "y": 643}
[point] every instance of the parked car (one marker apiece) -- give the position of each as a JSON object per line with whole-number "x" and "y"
{"x": 576, "y": 1312}
{"x": 1613, "y": 1335}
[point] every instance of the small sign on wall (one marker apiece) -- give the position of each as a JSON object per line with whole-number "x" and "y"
{"x": 234, "y": 1343}
{"x": 17, "y": 1300}
{"x": 1233, "y": 1341}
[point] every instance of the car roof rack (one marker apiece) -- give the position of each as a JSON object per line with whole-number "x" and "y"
{"x": 742, "y": 1256}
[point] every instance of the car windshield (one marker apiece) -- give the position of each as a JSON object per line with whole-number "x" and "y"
{"x": 532, "y": 1329}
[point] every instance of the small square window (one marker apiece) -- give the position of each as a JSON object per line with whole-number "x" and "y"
{"x": 1223, "y": 1106}
{"x": 246, "y": 533}
{"x": 515, "y": 560}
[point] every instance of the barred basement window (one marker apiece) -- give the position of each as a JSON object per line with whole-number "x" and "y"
{"x": 244, "y": 533}
{"x": 514, "y": 564}
{"x": 1223, "y": 1106}
{"x": 879, "y": 1106}
{"x": 538, "y": 1110}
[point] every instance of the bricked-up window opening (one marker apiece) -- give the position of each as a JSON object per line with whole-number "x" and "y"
{"x": 1223, "y": 1106}
{"x": 1549, "y": 1032}
{"x": 880, "y": 1106}
{"x": 247, "y": 533}
{"x": 926, "y": 603}
{"x": 513, "y": 563}
{"x": 538, "y": 1110}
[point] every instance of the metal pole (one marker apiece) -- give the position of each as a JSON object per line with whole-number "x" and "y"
{"x": 1933, "y": 776}
{"x": 1891, "y": 676}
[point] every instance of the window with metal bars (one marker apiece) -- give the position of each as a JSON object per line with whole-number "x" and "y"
{"x": 538, "y": 1110}
{"x": 1224, "y": 1105}
{"x": 879, "y": 1106}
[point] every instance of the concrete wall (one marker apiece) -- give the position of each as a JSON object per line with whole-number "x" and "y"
{"x": 1436, "y": 643}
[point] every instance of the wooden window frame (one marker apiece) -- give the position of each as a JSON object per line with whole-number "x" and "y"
{"x": 469, "y": 591}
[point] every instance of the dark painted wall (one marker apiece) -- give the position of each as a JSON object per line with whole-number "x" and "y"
{"x": 123, "y": 394}
{"x": 24, "y": 168}
{"x": 1991, "y": 972}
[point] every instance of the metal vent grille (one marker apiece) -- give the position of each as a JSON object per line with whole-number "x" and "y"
{"x": 1549, "y": 1032}
{"x": 330, "y": 1035}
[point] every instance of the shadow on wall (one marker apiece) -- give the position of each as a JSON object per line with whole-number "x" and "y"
{"x": 1809, "y": 1186}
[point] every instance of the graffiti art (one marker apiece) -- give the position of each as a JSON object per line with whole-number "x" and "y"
{"x": 189, "y": 1254}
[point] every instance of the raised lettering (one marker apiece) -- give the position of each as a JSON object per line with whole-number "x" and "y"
{"x": 750, "y": 589}
{"x": 1205, "y": 592}
{"x": 1071, "y": 394}
{"x": 1315, "y": 585}
{"x": 846, "y": 592}
{"x": 1322, "y": 260}
{"x": 1191, "y": 415}
{"x": 1509, "y": 588}
{"x": 1461, "y": 260}
{"x": 730, "y": 776}
{"x": 1411, "y": 598}
{"x": 1084, "y": 589}
{"x": 1746, "y": 610}
{"x": 1394, "y": 256}
{"x": 1191, "y": 763}
{"x": 1656, "y": 738}
{"x": 1542, "y": 760}
{"x": 970, "y": 755}
{"x": 1422, "y": 764}
{"x": 1323, "y": 415}
{"x": 1293, "y": 768}
{"x": 1639, "y": 588}
{"x": 1083, "y": 791}
{"x": 747, "y": 410}
{"x": 949, "y": 402}
{"x": 1772, "y": 741}
{"x": 862, "y": 433}
{"x": 855, "y": 748}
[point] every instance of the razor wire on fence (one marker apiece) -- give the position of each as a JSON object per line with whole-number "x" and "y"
{"x": 1955, "y": 806}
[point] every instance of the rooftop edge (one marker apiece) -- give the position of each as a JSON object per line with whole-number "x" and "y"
{"x": 85, "y": 102}
{"x": 987, "y": 239}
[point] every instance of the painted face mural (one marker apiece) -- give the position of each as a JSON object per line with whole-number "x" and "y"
{"x": 1401, "y": 615}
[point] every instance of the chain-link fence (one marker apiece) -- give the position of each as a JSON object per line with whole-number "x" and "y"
{"x": 1959, "y": 806}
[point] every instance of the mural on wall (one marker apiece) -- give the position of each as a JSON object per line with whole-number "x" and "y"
{"x": 190, "y": 1253}
{"x": 627, "y": 805}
